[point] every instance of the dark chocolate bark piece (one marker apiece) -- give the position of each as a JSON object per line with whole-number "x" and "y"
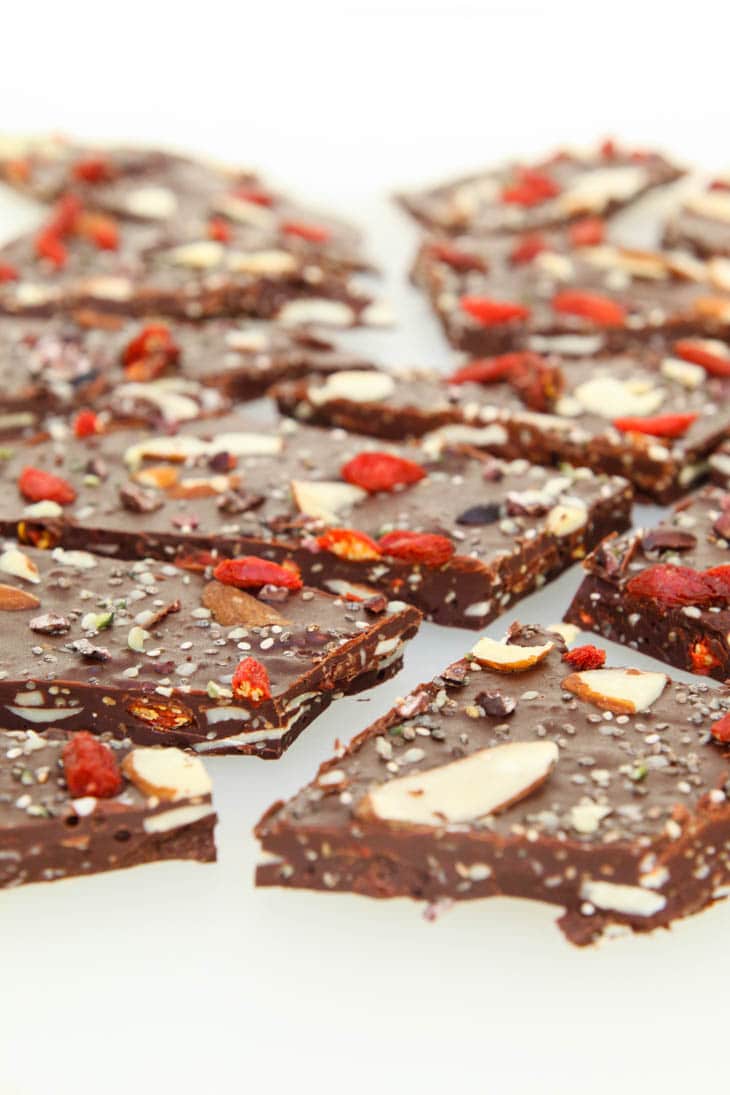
{"x": 564, "y": 413}
{"x": 647, "y": 589}
{"x": 161, "y": 809}
{"x": 602, "y": 792}
{"x": 569, "y": 299}
{"x": 519, "y": 197}
{"x": 720, "y": 466}
{"x": 702, "y": 222}
{"x": 225, "y": 487}
{"x": 147, "y": 651}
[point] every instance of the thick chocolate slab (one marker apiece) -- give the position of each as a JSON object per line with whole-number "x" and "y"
{"x": 47, "y": 834}
{"x": 688, "y": 635}
{"x": 520, "y": 196}
{"x": 622, "y": 819}
{"x": 574, "y": 424}
{"x": 642, "y": 296}
{"x": 223, "y": 487}
{"x": 146, "y": 651}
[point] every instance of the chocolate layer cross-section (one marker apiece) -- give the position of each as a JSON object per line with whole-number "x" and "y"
{"x": 665, "y": 591}
{"x": 459, "y": 535}
{"x": 653, "y": 418}
{"x": 496, "y": 295}
{"x": 702, "y": 222}
{"x": 720, "y": 466}
{"x": 238, "y": 258}
{"x": 517, "y": 772}
{"x": 238, "y": 660}
{"x": 83, "y": 806}
{"x": 154, "y": 372}
{"x": 519, "y": 197}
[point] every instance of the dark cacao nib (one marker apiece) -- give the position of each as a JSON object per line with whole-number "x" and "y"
{"x": 669, "y": 539}
{"x": 138, "y": 500}
{"x": 480, "y": 515}
{"x": 494, "y": 703}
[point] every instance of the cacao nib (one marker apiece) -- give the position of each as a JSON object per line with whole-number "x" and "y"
{"x": 665, "y": 538}
{"x": 480, "y": 515}
{"x": 495, "y": 703}
{"x": 138, "y": 500}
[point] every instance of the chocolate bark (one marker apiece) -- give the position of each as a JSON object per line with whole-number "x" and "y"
{"x": 570, "y": 423}
{"x": 702, "y": 222}
{"x": 565, "y": 299}
{"x": 679, "y": 630}
{"x": 720, "y": 466}
{"x": 48, "y": 834}
{"x": 488, "y": 782}
{"x": 146, "y": 651}
{"x": 222, "y": 487}
{"x": 518, "y": 196}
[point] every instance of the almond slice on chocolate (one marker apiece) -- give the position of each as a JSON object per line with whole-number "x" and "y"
{"x": 232, "y": 607}
{"x": 713, "y": 204}
{"x": 473, "y": 787}
{"x": 358, "y": 386}
{"x": 325, "y": 499}
{"x": 16, "y": 600}
{"x": 562, "y": 519}
{"x": 167, "y": 773}
{"x": 623, "y": 691}
{"x": 19, "y": 565}
{"x": 508, "y": 658}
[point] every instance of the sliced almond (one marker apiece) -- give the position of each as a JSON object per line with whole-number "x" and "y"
{"x": 508, "y": 657}
{"x": 245, "y": 212}
{"x": 247, "y": 444}
{"x": 562, "y": 520}
{"x": 357, "y": 386}
{"x": 719, "y": 271}
{"x": 16, "y": 600}
{"x": 19, "y": 565}
{"x": 325, "y": 499}
{"x": 200, "y": 255}
{"x": 172, "y": 405}
{"x": 272, "y": 264}
{"x": 713, "y": 204}
{"x": 683, "y": 372}
{"x": 231, "y": 607}
{"x": 629, "y": 900}
{"x": 161, "y": 476}
{"x": 465, "y": 790}
{"x": 176, "y": 449}
{"x": 618, "y": 690}
{"x": 330, "y": 313}
{"x": 206, "y": 487}
{"x": 151, "y": 202}
{"x": 106, "y": 288}
{"x": 610, "y": 398}
{"x": 568, "y": 632}
{"x": 713, "y": 308}
{"x": 166, "y": 773}
{"x": 593, "y": 191}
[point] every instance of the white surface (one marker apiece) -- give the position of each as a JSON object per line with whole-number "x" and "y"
{"x": 184, "y": 975}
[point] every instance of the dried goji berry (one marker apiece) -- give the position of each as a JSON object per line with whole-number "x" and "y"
{"x": 484, "y": 371}
{"x": 602, "y": 310}
{"x": 699, "y": 354}
{"x": 720, "y": 730}
{"x": 41, "y": 486}
{"x": 702, "y": 657}
{"x": 376, "y": 471}
{"x": 537, "y": 381}
{"x": 65, "y": 214}
{"x": 253, "y": 194}
{"x": 249, "y": 571}
{"x": 218, "y": 229}
{"x": 527, "y": 248}
{"x": 101, "y": 230}
{"x": 608, "y": 149}
{"x": 676, "y": 585}
{"x": 588, "y": 232}
{"x": 349, "y": 544}
{"x": 313, "y": 233}
{"x": 93, "y": 169}
{"x": 150, "y": 352}
{"x": 251, "y": 682}
{"x": 720, "y": 184}
{"x": 530, "y": 188}
{"x": 492, "y": 313}
{"x": 90, "y": 767}
{"x": 585, "y": 657}
{"x": 8, "y": 272}
{"x": 456, "y": 258}
{"x": 417, "y": 547}
{"x": 18, "y": 171}
{"x": 161, "y": 715}
{"x": 86, "y": 424}
{"x": 197, "y": 561}
{"x": 662, "y": 425}
{"x": 50, "y": 247}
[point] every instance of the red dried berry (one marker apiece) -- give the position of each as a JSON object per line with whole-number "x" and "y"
{"x": 456, "y": 258}
{"x": 197, "y": 561}
{"x": 527, "y": 248}
{"x": 86, "y": 424}
{"x": 18, "y": 171}
{"x": 697, "y": 353}
{"x": 585, "y": 657}
{"x": 676, "y": 585}
{"x": 537, "y": 382}
{"x": 313, "y": 233}
{"x": 530, "y": 188}
{"x": 720, "y": 730}
{"x": 662, "y": 425}
{"x": 94, "y": 169}
{"x": 417, "y": 547}
{"x": 608, "y": 149}
{"x": 150, "y": 352}
{"x": 719, "y": 184}
{"x": 601, "y": 310}
{"x": 484, "y": 371}
{"x": 588, "y": 232}
{"x": 348, "y": 543}
{"x": 219, "y": 230}
{"x": 8, "y": 272}
{"x": 249, "y": 572}
{"x": 377, "y": 471}
{"x": 102, "y": 231}
{"x": 90, "y": 767}
{"x": 702, "y": 658}
{"x": 41, "y": 486}
{"x": 251, "y": 682}
{"x": 254, "y": 195}
{"x": 492, "y": 313}
{"x": 49, "y": 246}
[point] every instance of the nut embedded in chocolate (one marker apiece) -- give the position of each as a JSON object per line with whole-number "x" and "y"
{"x": 668, "y": 539}
{"x": 480, "y": 515}
{"x": 50, "y": 623}
{"x": 138, "y": 500}
{"x": 496, "y": 703}
{"x": 87, "y": 650}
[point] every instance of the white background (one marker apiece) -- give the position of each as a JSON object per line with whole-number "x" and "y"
{"x": 184, "y": 977}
